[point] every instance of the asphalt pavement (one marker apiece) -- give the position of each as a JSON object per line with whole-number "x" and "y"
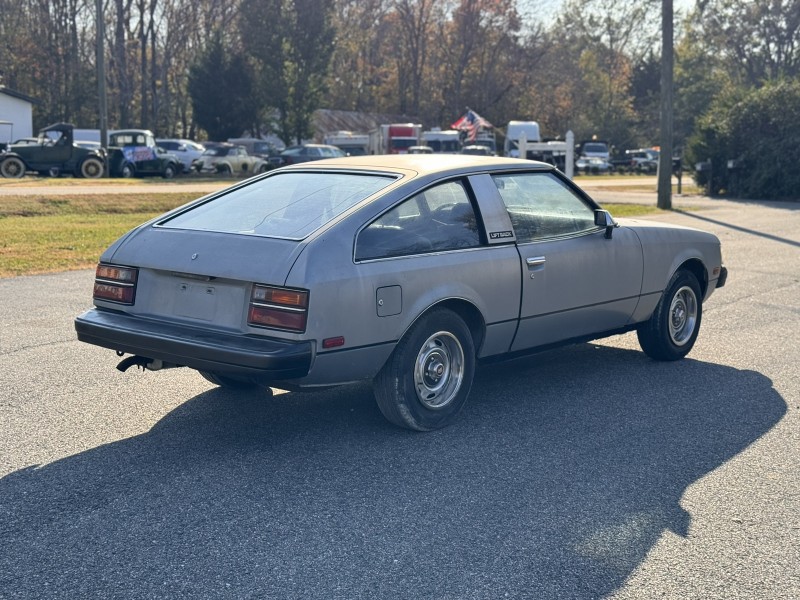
{"x": 586, "y": 472}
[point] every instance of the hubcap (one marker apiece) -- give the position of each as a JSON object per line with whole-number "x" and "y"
{"x": 682, "y": 316}
{"x": 439, "y": 370}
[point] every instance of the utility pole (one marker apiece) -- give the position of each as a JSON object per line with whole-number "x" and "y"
{"x": 101, "y": 73}
{"x": 665, "y": 155}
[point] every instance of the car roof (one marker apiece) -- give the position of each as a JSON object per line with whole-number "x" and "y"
{"x": 423, "y": 164}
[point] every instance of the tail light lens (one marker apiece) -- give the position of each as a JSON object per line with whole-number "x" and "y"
{"x": 115, "y": 284}
{"x": 278, "y": 308}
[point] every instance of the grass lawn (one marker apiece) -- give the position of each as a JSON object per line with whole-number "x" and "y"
{"x": 41, "y": 234}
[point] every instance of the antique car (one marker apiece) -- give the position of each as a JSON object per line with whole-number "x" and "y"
{"x": 54, "y": 153}
{"x": 306, "y": 153}
{"x": 404, "y": 270}
{"x": 134, "y": 153}
{"x": 229, "y": 159}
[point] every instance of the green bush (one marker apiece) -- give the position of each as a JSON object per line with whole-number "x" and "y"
{"x": 760, "y": 132}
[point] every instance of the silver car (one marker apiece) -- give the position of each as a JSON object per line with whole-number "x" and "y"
{"x": 404, "y": 270}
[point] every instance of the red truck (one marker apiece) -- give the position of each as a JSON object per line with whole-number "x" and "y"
{"x": 395, "y": 138}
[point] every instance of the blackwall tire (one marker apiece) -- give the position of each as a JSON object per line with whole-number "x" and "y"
{"x": 426, "y": 382}
{"x": 672, "y": 330}
{"x": 128, "y": 171}
{"x": 12, "y": 168}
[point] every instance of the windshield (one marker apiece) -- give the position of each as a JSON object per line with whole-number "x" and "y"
{"x": 595, "y": 147}
{"x": 218, "y": 151}
{"x": 285, "y": 205}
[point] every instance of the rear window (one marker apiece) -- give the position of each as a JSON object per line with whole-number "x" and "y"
{"x": 285, "y": 205}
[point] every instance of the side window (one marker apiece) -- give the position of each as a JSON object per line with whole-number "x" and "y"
{"x": 440, "y": 218}
{"x": 541, "y": 206}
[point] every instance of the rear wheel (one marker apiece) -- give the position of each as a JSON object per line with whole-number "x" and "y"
{"x": 426, "y": 381}
{"x": 671, "y": 331}
{"x": 169, "y": 171}
{"x": 127, "y": 171}
{"x": 12, "y": 168}
{"x": 92, "y": 168}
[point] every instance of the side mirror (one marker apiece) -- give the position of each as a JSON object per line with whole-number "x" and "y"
{"x": 603, "y": 218}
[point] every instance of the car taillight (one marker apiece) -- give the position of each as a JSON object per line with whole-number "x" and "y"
{"x": 278, "y": 308}
{"x": 115, "y": 284}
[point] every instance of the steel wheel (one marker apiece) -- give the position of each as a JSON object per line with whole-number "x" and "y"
{"x": 439, "y": 370}
{"x": 671, "y": 331}
{"x": 682, "y": 316}
{"x": 427, "y": 379}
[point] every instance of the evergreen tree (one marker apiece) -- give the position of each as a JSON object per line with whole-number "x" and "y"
{"x": 221, "y": 89}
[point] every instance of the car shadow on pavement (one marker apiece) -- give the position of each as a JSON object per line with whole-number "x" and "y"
{"x": 741, "y": 229}
{"x": 562, "y": 473}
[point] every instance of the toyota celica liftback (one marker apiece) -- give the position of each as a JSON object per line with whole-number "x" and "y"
{"x": 405, "y": 270}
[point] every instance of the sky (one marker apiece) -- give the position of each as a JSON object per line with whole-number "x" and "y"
{"x": 549, "y": 9}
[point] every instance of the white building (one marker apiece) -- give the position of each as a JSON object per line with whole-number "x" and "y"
{"x": 16, "y": 115}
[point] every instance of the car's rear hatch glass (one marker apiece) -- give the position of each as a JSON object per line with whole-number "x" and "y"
{"x": 288, "y": 205}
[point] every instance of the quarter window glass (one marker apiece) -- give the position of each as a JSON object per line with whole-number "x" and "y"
{"x": 541, "y": 206}
{"x": 440, "y": 218}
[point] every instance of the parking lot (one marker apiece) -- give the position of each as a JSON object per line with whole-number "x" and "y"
{"x": 584, "y": 472}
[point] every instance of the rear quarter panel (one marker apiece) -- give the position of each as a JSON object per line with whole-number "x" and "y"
{"x": 343, "y": 298}
{"x": 665, "y": 248}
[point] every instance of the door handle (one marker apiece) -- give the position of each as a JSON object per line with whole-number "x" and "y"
{"x": 535, "y": 261}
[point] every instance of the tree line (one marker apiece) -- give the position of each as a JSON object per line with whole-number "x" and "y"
{"x": 216, "y": 68}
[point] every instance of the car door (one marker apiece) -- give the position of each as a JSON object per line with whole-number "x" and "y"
{"x": 575, "y": 281}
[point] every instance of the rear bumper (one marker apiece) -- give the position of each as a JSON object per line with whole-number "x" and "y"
{"x": 196, "y": 348}
{"x": 723, "y": 277}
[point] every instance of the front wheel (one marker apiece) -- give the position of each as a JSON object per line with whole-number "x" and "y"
{"x": 92, "y": 168}
{"x": 671, "y": 331}
{"x": 426, "y": 381}
{"x": 12, "y": 168}
{"x": 169, "y": 171}
{"x": 127, "y": 171}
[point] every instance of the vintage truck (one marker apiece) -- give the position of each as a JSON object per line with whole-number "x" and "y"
{"x": 54, "y": 153}
{"x": 134, "y": 153}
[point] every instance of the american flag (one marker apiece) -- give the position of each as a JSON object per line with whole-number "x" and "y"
{"x": 471, "y": 122}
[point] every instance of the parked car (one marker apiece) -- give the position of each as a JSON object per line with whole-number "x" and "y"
{"x": 229, "y": 159}
{"x": 257, "y": 147}
{"x": 476, "y": 150}
{"x": 134, "y": 153}
{"x": 420, "y": 150}
{"x": 593, "y": 165}
{"x": 54, "y": 153}
{"x": 642, "y": 160}
{"x": 186, "y": 150}
{"x": 305, "y": 153}
{"x": 406, "y": 270}
{"x": 594, "y": 149}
